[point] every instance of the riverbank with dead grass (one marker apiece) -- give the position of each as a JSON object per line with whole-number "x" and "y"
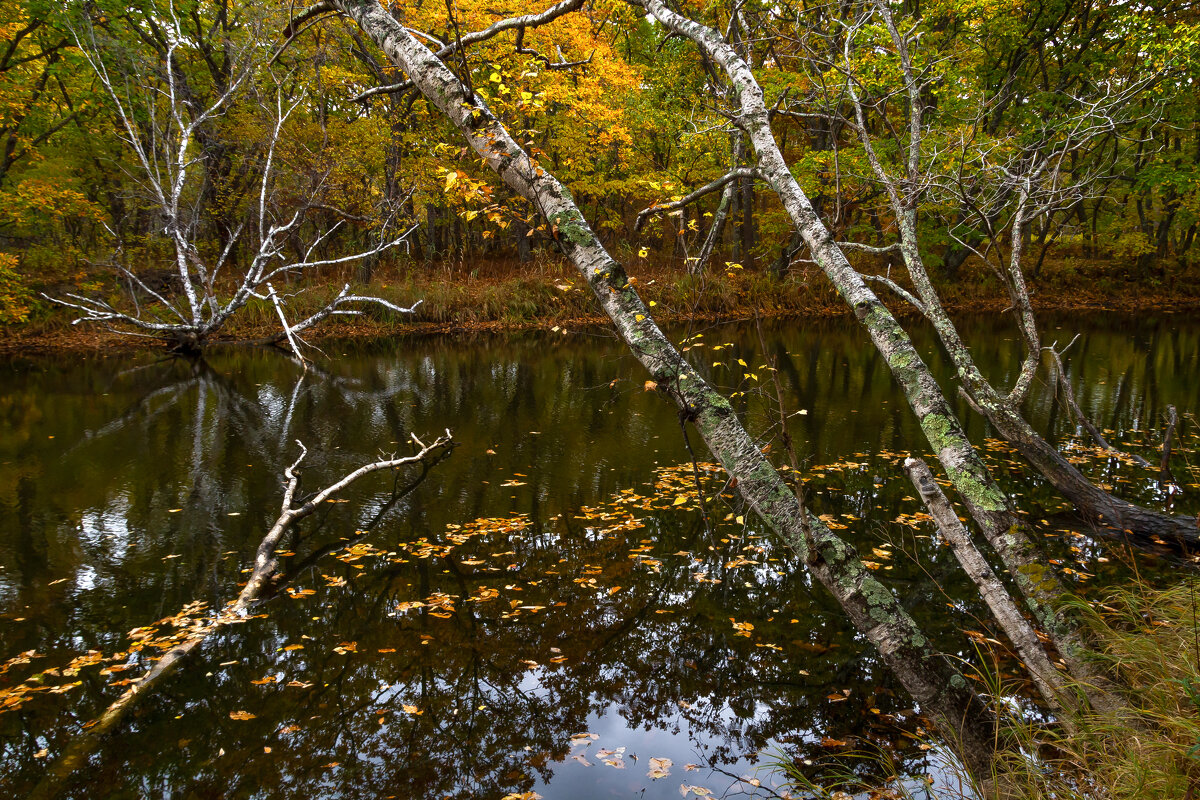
{"x": 497, "y": 297}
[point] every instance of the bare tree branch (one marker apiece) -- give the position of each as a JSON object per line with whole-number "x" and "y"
{"x": 707, "y": 189}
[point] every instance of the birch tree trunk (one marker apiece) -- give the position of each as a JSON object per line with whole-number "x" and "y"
{"x": 984, "y": 499}
{"x": 1003, "y": 411}
{"x": 1018, "y": 630}
{"x": 932, "y": 680}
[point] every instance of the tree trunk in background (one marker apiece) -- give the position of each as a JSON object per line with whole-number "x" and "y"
{"x": 747, "y": 228}
{"x": 524, "y": 253}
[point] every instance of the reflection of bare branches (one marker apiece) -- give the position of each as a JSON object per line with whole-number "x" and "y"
{"x": 744, "y": 786}
{"x": 144, "y": 410}
{"x": 263, "y": 576}
{"x": 1067, "y": 391}
{"x": 1164, "y": 471}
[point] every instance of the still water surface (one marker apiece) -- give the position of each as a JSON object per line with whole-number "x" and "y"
{"x": 543, "y": 613}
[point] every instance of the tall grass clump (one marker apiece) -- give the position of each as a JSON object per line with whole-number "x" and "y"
{"x": 1147, "y": 642}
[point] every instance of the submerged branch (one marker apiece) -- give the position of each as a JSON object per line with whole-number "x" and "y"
{"x": 264, "y": 574}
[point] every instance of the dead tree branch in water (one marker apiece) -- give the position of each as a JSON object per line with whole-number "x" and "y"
{"x": 265, "y": 575}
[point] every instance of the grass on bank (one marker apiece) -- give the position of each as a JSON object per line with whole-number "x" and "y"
{"x": 547, "y": 292}
{"x": 1148, "y": 642}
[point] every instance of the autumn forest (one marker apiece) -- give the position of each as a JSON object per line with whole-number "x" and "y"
{"x": 609, "y": 398}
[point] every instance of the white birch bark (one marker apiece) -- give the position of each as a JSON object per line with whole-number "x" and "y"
{"x": 932, "y": 680}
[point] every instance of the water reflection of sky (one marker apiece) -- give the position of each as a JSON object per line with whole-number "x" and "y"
{"x": 121, "y": 506}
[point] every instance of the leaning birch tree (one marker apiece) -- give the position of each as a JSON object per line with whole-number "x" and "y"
{"x": 986, "y": 502}
{"x": 1021, "y": 182}
{"x": 933, "y": 681}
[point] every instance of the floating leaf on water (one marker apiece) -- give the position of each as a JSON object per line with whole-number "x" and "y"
{"x": 241, "y": 715}
{"x": 742, "y": 628}
{"x": 407, "y": 709}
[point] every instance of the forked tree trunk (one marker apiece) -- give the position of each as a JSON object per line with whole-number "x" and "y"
{"x": 934, "y": 682}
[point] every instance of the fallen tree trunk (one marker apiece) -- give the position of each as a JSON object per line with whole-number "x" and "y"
{"x": 1110, "y": 514}
{"x": 1018, "y": 630}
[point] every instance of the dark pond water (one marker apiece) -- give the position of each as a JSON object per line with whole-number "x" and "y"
{"x": 544, "y": 612}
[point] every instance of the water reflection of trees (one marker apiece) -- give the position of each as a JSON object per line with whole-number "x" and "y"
{"x": 211, "y": 439}
{"x": 684, "y": 670}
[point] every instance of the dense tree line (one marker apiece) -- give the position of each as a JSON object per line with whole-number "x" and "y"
{"x": 622, "y": 111}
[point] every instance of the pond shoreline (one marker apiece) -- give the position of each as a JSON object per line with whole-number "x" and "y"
{"x": 49, "y": 340}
